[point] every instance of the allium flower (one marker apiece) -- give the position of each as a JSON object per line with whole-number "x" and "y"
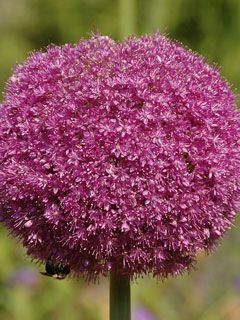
{"x": 24, "y": 276}
{"x": 121, "y": 156}
{"x": 141, "y": 313}
{"x": 236, "y": 283}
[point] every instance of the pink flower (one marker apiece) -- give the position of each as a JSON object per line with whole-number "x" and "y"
{"x": 24, "y": 276}
{"x": 141, "y": 313}
{"x": 119, "y": 156}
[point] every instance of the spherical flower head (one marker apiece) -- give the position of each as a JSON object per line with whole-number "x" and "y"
{"x": 119, "y": 156}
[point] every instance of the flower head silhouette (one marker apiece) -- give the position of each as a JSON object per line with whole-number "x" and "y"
{"x": 121, "y": 156}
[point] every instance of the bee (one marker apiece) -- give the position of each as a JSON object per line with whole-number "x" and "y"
{"x": 57, "y": 271}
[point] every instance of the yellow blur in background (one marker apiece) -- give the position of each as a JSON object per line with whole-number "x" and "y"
{"x": 210, "y": 27}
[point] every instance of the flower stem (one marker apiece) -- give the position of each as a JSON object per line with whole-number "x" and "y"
{"x": 120, "y": 298}
{"x": 127, "y": 17}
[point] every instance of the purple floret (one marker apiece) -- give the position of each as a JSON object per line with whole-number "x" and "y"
{"x": 141, "y": 313}
{"x": 24, "y": 276}
{"x": 122, "y": 156}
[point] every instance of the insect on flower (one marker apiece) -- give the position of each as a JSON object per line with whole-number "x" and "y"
{"x": 58, "y": 271}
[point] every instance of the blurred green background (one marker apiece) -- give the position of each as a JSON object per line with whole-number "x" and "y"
{"x": 210, "y": 27}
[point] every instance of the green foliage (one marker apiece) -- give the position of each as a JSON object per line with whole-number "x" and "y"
{"x": 212, "y": 28}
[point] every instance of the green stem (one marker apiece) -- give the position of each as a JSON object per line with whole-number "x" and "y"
{"x": 127, "y": 17}
{"x": 120, "y": 298}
